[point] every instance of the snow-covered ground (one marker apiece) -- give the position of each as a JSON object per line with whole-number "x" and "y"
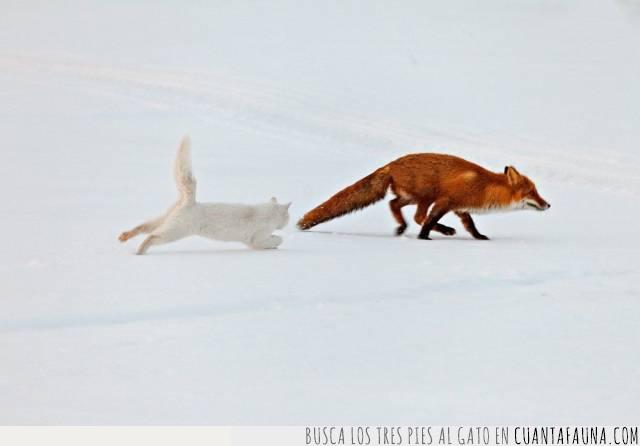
{"x": 346, "y": 323}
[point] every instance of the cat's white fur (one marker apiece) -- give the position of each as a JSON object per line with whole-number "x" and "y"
{"x": 252, "y": 225}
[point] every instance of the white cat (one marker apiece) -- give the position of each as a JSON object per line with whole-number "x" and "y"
{"x": 252, "y": 225}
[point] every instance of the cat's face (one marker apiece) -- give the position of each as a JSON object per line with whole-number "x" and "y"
{"x": 282, "y": 213}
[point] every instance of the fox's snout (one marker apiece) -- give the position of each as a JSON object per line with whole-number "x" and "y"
{"x": 543, "y": 205}
{"x": 533, "y": 200}
{"x": 538, "y": 204}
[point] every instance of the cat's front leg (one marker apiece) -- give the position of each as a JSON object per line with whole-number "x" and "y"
{"x": 268, "y": 242}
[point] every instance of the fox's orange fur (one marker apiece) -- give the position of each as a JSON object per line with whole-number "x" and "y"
{"x": 441, "y": 183}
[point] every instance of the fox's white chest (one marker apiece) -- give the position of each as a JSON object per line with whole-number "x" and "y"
{"x": 493, "y": 209}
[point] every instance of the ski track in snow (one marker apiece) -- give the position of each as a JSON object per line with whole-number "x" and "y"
{"x": 297, "y": 115}
{"x": 443, "y": 286}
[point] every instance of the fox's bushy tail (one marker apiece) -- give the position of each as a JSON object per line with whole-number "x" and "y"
{"x": 359, "y": 195}
{"x": 185, "y": 181}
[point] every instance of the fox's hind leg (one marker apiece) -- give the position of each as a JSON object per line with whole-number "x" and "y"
{"x": 470, "y": 226}
{"x": 439, "y": 209}
{"x": 444, "y": 229}
{"x": 396, "y": 205}
{"x": 145, "y": 228}
{"x": 421, "y": 212}
{"x": 421, "y": 215}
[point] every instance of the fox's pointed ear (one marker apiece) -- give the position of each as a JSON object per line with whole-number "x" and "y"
{"x": 513, "y": 175}
{"x": 274, "y": 200}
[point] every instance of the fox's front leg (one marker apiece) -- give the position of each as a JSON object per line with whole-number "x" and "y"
{"x": 470, "y": 226}
{"x": 145, "y": 228}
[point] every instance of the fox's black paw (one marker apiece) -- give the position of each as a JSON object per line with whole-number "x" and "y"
{"x": 424, "y": 237}
{"x": 400, "y": 229}
{"x": 448, "y": 231}
{"x": 481, "y": 237}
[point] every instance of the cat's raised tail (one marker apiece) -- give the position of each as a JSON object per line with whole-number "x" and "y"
{"x": 183, "y": 174}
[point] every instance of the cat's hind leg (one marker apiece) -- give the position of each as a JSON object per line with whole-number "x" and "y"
{"x": 144, "y": 228}
{"x": 167, "y": 233}
{"x": 158, "y": 239}
{"x": 147, "y": 243}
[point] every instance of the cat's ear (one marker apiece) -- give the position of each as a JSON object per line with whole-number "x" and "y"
{"x": 274, "y": 200}
{"x": 287, "y": 205}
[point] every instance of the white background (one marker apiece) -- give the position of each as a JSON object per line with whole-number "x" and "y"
{"x": 346, "y": 324}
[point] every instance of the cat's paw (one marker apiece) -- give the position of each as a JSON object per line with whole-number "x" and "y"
{"x": 269, "y": 243}
{"x": 125, "y": 236}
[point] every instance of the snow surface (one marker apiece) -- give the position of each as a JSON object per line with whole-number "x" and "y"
{"x": 344, "y": 324}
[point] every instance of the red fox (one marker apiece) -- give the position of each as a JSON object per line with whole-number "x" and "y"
{"x": 443, "y": 183}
